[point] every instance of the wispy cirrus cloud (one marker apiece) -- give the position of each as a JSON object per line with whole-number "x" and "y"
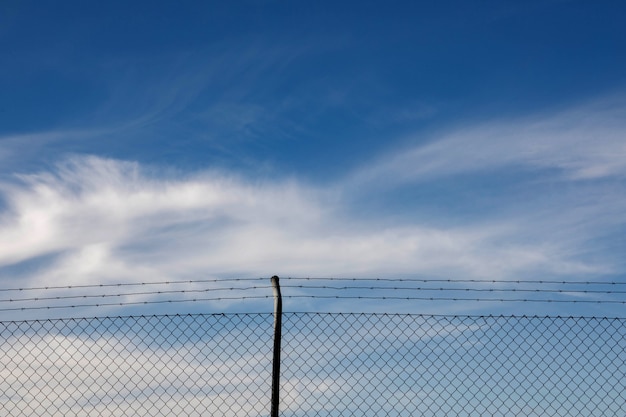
{"x": 107, "y": 220}
{"x": 554, "y": 178}
{"x": 582, "y": 143}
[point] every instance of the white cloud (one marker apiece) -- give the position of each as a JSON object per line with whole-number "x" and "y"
{"x": 96, "y": 220}
{"x": 588, "y": 142}
{"x": 112, "y": 221}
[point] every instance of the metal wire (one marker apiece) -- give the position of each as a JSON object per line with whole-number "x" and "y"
{"x": 332, "y": 364}
{"x": 222, "y": 280}
{"x": 186, "y": 291}
{"x": 461, "y": 289}
{"x": 129, "y": 284}
{"x": 409, "y": 365}
{"x": 477, "y": 281}
{"x": 133, "y": 303}
{"x": 499, "y": 300}
{"x": 182, "y": 365}
{"x": 133, "y": 294}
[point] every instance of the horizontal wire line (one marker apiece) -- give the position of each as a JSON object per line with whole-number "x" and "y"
{"x": 356, "y": 287}
{"x": 200, "y": 281}
{"x": 128, "y": 284}
{"x": 373, "y": 297}
{"x": 312, "y": 287}
{"x": 129, "y": 303}
{"x": 477, "y": 281}
{"x": 130, "y": 294}
{"x": 287, "y": 284}
{"x": 336, "y": 297}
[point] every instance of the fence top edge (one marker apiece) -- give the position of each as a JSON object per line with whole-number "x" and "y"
{"x": 511, "y": 316}
{"x": 318, "y": 313}
{"x": 135, "y": 316}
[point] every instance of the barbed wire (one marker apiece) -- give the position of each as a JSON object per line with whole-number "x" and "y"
{"x": 462, "y": 289}
{"x": 530, "y": 300}
{"x": 221, "y": 280}
{"x": 313, "y": 287}
{"x": 467, "y": 280}
{"x": 131, "y": 303}
{"x": 129, "y": 284}
{"x": 318, "y": 288}
{"x": 132, "y": 294}
{"x": 334, "y": 297}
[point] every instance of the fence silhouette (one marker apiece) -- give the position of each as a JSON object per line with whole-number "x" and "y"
{"x": 333, "y": 364}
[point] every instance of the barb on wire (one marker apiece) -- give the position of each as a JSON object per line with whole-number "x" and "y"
{"x": 464, "y": 289}
{"x": 129, "y": 284}
{"x": 401, "y": 289}
{"x": 130, "y": 303}
{"x": 408, "y": 298}
{"x": 132, "y": 294}
{"x": 334, "y": 297}
{"x": 475, "y": 281}
{"x": 221, "y": 280}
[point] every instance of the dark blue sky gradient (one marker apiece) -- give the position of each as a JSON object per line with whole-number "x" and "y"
{"x": 322, "y": 80}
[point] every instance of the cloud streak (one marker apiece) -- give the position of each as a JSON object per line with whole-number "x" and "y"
{"x": 583, "y": 143}
{"x": 109, "y": 220}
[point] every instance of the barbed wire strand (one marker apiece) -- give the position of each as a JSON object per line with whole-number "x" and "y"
{"x": 129, "y": 284}
{"x": 462, "y": 289}
{"x": 335, "y": 297}
{"x": 477, "y": 281}
{"x": 131, "y": 294}
{"x": 422, "y": 280}
{"x": 130, "y": 303}
{"x": 318, "y": 288}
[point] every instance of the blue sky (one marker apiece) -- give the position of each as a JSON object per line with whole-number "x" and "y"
{"x": 157, "y": 140}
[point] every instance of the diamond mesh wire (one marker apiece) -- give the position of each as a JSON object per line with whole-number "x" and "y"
{"x": 412, "y": 365}
{"x": 191, "y": 365}
{"x": 332, "y": 365}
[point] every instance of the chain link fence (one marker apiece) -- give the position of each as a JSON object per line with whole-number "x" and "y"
{"x": 192, "y": 365}
{"x": 332, "y": 365}
{"x": 413, "y": 365}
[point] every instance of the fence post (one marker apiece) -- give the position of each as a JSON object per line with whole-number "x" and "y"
{"x": 278, "y": 312}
